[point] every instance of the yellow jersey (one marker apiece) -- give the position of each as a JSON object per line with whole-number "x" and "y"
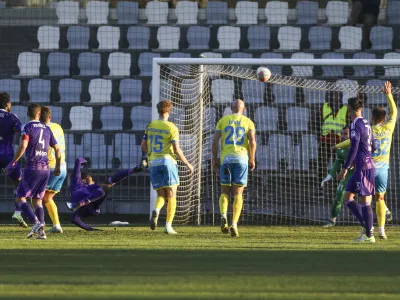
{"x": 58, "y": 133}
{"x": 382, "y": 135}
{"x": 159, "y": 136}
{"x": 234, "y": 130}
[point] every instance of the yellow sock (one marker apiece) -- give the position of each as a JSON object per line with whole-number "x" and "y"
{"x": 171, "y": 208}
{"x": 237, "y": 208}
{"x": 381, "y": 212}
{"x": 53, "y": 212}
{"x": 223, "y": 203}
{"x": 160, "y": 201}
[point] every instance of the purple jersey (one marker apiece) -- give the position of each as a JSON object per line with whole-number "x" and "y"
{"x": 362, "y": 145}
{"x": 40, "y": 138}
{"x": 9, "y": 124}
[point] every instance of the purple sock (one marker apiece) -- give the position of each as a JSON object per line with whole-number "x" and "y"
{"x": 119, "y": 176}
{"x": 17, "y": 207}
{"x": 78, "y": 222}
{"x": 28, "y": 212}
{"x": 368, "y": 217}
{"x": 355, "y": 209}
{"x": 39, "y": 212}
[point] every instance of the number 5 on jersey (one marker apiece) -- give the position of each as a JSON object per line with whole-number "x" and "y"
{"x": 158, "y": 143}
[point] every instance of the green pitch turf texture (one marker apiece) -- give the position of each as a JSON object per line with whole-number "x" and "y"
{"x": 199, "y": 263}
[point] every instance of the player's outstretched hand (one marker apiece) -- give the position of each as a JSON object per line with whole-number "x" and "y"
{"x": 325, "y": 180}
{"x": 10, "y": 167}
{"x": 216, "y": 167}
{"x": 252, "y": 165}
{"x": 342, "y": 174}
{"x": 387, "y": 89}
{"x": 190, "y": 167}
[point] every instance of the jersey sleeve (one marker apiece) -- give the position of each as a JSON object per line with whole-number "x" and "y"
{"x": 174, "y": 134}
{"x": 391, "y": 122}
{"x": 343, "y": 145}
{"x": 53, "y": 140}
{"x": 25, "y": 131}
{"x": 335, "y": 167}
{"x": 355, "y": 135}
{"x": 17, "y": 124}
{"x": 252, "y": 127}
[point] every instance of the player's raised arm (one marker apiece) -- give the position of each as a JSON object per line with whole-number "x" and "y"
{"x": 387, "y": 89}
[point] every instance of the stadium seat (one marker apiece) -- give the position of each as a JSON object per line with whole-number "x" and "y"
{"x": 246, "y": 13}
{"x": 266, "y": 118}
{"x": 216, "y": 69}
{"x": 28, "y": 64}
{"x": 258, "y": 37}
{"x": 393, "y": 11}
{"x": 381, "y": 38}
{"x": 390, "y": 71}
{"x": 284, "y": 94}
{"x": 307, "y": 12}
{"x": 337, "y": 12}
{"x": 67, "y": 12}
{"x": 253, "y": 91}
{"x": 364, "y": 71}
{"x": 56, "y": 113}
{"x": 166, "y": 88}
{"x": 276, "y": 12}
{"x": 12, "y": 87}
{"x": 138, "y": 37}
{"x": 78, "y": 38}
{"x": 222, "y": 90}
{"x": 39, "y": 90}
{"x": 73, "y": 150}
{"x": 186, "y": 12}
{"x": 58, "y": 64}
{"x": 146, "y": 63}
{"x": 157, "y": 13}
{"x": 349, "y": 84}
{"x": 350, "y": 38}
{"x": 20, "y": 112}
{"x": 320, "y": 38}
{"x": 179, "y": 70}
{"x": 70, "y": 90}
{"x": 48, "y": 37}
{"x": 100, "y": 90}
{"x": 119, "y": 64}
{"x": 189, "y": 90}
{"x": 280, "y": 147}
{"x": 217, "y": 12}
{"x": 130, "y": 90}
{"x": 172, "y": 42}
{"x": 332, "y": 71}
{"x": 274, "y": 69}
{"x": 140, "y": 117}
{"x": 297, "y": 119}
{"x": 89, "y": 64}
{"x": 111, "y": 118}
{"x": 198, "y": 38}
{"x": 302, "y": 71}
{"x": 228, "y": 38}
{"x": 367, "y": 113}
{"x": 309, "y": 150}
{"x": 97, "y": 12}
{"x": 314, "y": 96}
{"x": 126, "y": 150}
{"x": 100, "y": 154}
{"x": 108, "y": 37}
{"x": 177, "y": 114}
{"x": 241, "y": 55}
{"x": 377, "y": 97}
{"x": 127, "y": 12}
{"x": 81, "y": 118}
{"x": 289, "y": 38}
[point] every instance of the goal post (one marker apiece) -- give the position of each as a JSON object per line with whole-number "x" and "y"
{"x": 285, "y": 188}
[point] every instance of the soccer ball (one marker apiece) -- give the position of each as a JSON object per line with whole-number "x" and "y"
{"x": 263, "y": 74}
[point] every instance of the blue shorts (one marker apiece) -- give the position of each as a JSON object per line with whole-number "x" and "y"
{"x": 234, "y": 173}
{"x": 164, "y": 176}
{"x": 362, "y": 182}
{"x": 55, "y": 182}
{"x": 381, "y": 179}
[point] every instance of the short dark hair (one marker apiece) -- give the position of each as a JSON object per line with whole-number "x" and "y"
{"x": 355, "y": 103}
{"x": 4, "y": 100}
{"x": 85, "y": 176}
{"x": 33, "y": 109}
{"x": 45, "y": 113}
{"x": 378, "y": 114}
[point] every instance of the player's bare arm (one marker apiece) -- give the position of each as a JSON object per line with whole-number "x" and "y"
{"x": 252, "y": 149}
{"x": 23, "y": 144}
{"x": 214, "y": 151}
{"x": 57, "y": 151}
{"x": 144, "y": 147}
{"x": 178, "y": 151}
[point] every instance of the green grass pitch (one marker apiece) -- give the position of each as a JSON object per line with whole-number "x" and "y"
{"x": 199, "y": 263}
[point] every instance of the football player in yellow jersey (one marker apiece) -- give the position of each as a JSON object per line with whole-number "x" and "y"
{"x": 383, "y": 131}
{"x": 161, "y": 143}
{"x": 238, "y": 150}
{"x": 55, "y": 182}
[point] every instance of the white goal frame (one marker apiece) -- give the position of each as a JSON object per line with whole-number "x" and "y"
{"x": 157, "y": 62}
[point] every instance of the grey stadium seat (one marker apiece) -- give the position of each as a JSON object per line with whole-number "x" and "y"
{"x": 127, "y": 12}
{"x": 111, "y": 118}
{"x": 314, "y": 96}
{"x": 179, "y": 70}
{"x": 70, "y": 90}
{"x": 140, "y": 117}
{"x": 20, "y": 111}
{"x": 138, "y": 37}
{"x": 280, "y": 147}
{"x": 266, "y": 118}
{"x": 332, "y": 71}
{"x": 78, "y": 38}
{"x": 56, "y": 114}
{"x": 217, "y": 12}
{"x": 28, "y": 64}
{"x": 258, "y": 37}
{"x": 58, "y": 64}
{"x": 198, "y": 38}
{"x": 146, "y": 63}
{"x": 274, "y": 69}
{"x": 130, "y": 90}
{"x": 297, "y": 119}
{"x": 253, "y": 91}
{"x": 100, "y": 90}
{"x": 39, "y": 90}
{"x": 12, "y": 87}
{"x": 374, "y": 98}
{"x": 101, "y": 155}
{"x": 284, "y": 94}
{"x": 309, "y": 150}
{"x": 307, "y": 12}
{"x": 393, "y": 12}
{"x": 381, "y": 38}
{"x": 81, "y": 118}
{"x": 89, "y": 64}
{"x": 126, "y": 150}
{"x": 320, "y": 38}
{"x": 364, "y": 71}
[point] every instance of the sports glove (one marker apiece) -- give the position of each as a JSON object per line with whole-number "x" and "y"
{"x": 326, "y": 179}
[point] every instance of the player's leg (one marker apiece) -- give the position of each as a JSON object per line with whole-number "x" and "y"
{"x": 39, "y": 212}
{"x": 123, "y": 174}
{"x": 82, "y": 212}
{"x": 337, "y": 204}
{"x": 15, "y": 176}
{"x": 53, "y": 187}
{"x": 170, "y": 193}
{"x": 156, "y": 178}
{"x": 226, "y": 181}
{"x": 381, "y": 178}
{"x": 239, "y": 180}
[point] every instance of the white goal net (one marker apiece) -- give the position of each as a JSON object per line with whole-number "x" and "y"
{"x": 293, "y": 153}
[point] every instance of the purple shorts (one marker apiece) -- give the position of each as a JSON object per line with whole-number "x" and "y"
{"x": 33, "y": 184}
{"x": 15, "y": 172}
{"x": 362, "y": 182}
